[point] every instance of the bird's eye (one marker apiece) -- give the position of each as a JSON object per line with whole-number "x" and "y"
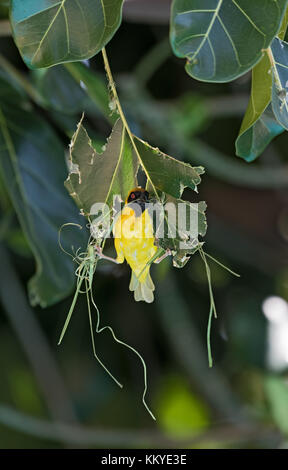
{"x": 132, "y": 196}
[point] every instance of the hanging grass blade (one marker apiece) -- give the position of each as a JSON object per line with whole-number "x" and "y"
{"x": 103, "y": 328}
{"x": 93, "y": 338}
{"x": 68, "y": 318}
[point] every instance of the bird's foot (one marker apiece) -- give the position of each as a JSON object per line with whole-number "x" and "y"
{"x": 167, "y": 253}
{"x": 99, "y": 253}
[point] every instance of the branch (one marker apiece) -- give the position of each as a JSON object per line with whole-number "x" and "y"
{"x": 33, "y": 341}
{"x": 88, "y": 437}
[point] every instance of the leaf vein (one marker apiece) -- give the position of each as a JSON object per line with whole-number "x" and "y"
{"x": 248, "y": 18}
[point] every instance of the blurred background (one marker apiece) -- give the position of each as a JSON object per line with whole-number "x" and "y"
{"x": 59, "y": 397}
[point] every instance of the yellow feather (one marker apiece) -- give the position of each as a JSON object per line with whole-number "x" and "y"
{"x": 134, "y": 241}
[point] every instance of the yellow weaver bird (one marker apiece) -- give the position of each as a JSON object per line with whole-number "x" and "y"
{"x": 134, "y": 241}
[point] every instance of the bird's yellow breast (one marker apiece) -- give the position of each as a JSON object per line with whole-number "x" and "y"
{"x": 134, "y": 240}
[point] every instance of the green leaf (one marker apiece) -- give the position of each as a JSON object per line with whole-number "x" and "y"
{"x": 259, "y": 125}
{"x": 49, "y": 32}
{"x": 283, "y": 28}
{"x": 279, "y": 60}
{"x": 166, "y": 173}
{"x": 223, "y": 39}
{"x": 96, "y": 178}
{"x": 33, "y": 167}
{"x": 94, "y": 87}
{"x": 60, "y": 91}
{"x": 167, "y": 178}
{"x": 253, "y": 141}
{"x": 181, "y": 243}
{"x": 250, "y": 139}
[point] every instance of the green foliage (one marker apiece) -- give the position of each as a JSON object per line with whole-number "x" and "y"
{"x": 57, "y": 86}
{"x": 279, "y": 59}
{"x": 39, "y": 114}
{"x": 165, "y": 173}
{"x": 223, "y": 39}
{"x": 259, "y": 125}
{"x": 34, "y": 175}
{"x": 182, "y": 245}
{"x": 97, "y": 178}
{"x": 255, "y": 136}
{"x": 49, "y": 33}
{"x": 94, "y": 86}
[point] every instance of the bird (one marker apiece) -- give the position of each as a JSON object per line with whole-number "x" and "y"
{"x": 134, "y": 241}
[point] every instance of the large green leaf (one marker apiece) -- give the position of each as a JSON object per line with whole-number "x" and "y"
{"x": 33, "y": 168}
{"x": 223, "y": 39}
{"x": 96, "y": 178}
{"x": 259, "y": 125}
{"x": 49, "y": 32}
{"x": 279, "y": 59}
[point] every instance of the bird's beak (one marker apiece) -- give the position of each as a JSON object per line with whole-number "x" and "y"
{"x": 143, "y": 197}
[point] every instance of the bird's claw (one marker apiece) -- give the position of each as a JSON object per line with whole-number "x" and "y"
{"x": 167, "y": 253}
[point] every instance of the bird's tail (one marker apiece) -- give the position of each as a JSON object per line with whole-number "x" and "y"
{"x": 143, "y": 290}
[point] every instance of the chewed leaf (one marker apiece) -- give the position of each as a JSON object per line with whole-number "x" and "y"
{"x": 166, "y": 173}
{"x": 56, "y": 31}
{"x": 96, "y": 178}
{"x": 179, "y": 228}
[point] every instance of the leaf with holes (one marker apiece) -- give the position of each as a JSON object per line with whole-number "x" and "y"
{"x": 165, "y": 173}
{"x": 49, "y": 32}
{"x": 279, "y": 60}
{"x": 96, "y": 178}
{"x": 166, "y": 179}
{"x": 178, "y": 230}
{"x": 223, "y": 39}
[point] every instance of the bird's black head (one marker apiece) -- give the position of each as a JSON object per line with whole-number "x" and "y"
{"x": 139, "y": 197}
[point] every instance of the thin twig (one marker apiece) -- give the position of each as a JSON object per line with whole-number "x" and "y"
{"x": 123, "y": 118}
